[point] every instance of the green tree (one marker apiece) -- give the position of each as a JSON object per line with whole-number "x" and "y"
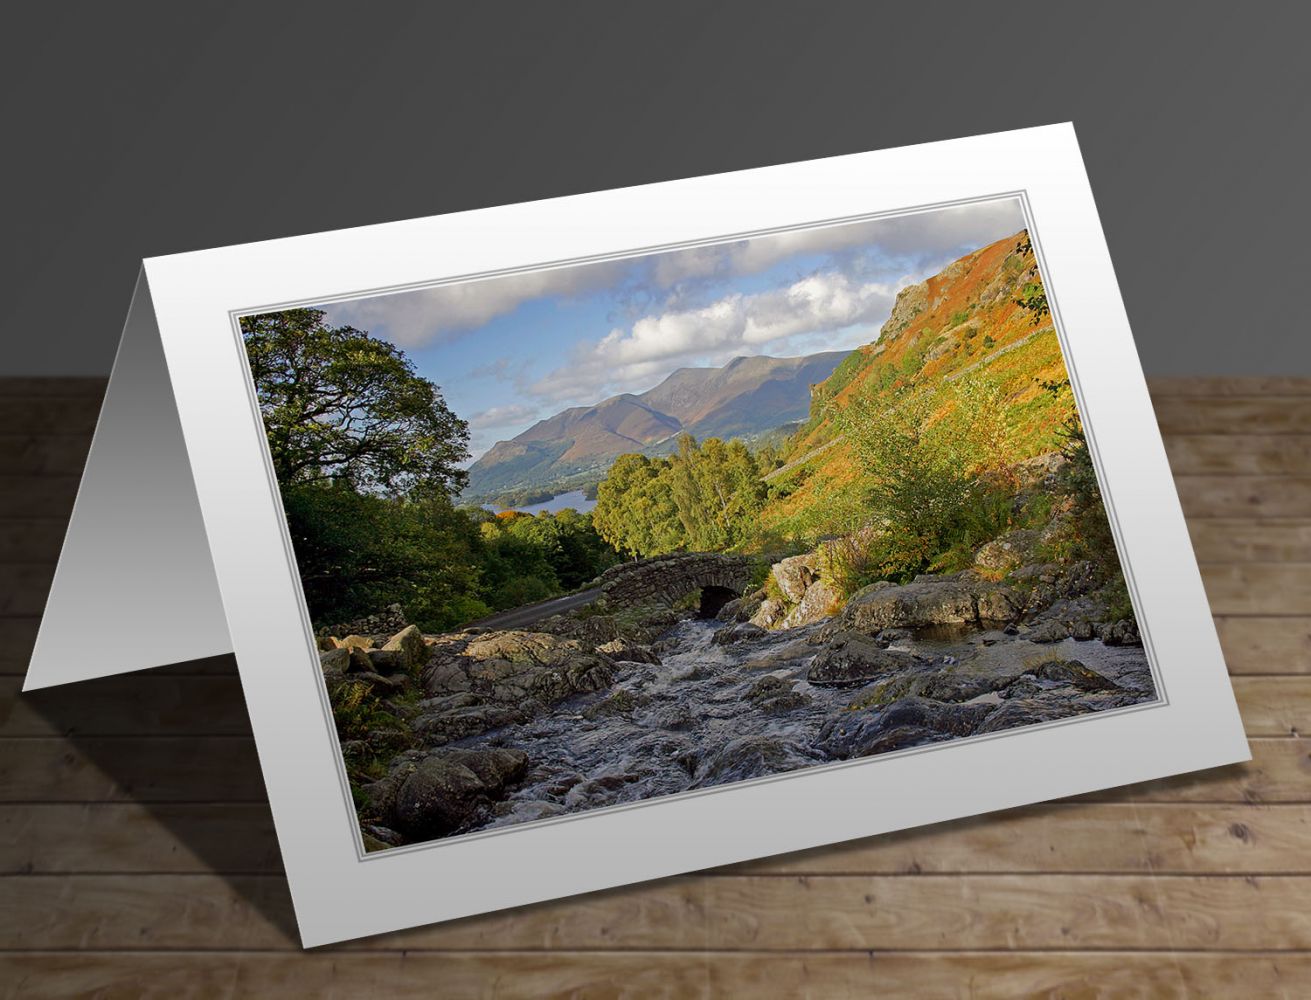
{"x": 339, "y": 404}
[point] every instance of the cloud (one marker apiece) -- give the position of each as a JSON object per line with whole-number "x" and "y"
{"x": 416, "y": 318}
{"x": 502, "y": 416}
{"x": 735, "y": 324}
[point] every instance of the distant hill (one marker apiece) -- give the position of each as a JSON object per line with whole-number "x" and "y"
{"x": 747, "y": 397}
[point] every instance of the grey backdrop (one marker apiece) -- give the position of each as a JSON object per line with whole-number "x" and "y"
{"x": 140, "y": 129}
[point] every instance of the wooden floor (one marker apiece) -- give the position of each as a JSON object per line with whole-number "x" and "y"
{"x": 139, "y": 859}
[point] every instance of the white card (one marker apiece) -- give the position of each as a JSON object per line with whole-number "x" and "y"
{"x": 950, "y": 303}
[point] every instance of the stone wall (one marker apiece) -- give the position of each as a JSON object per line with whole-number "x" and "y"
{"x": 667, "y": 579}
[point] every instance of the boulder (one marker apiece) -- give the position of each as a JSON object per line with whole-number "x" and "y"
{"x": 795, "y": 574}
{"x": 1073, "y": 673}
{"x": 1007, "y": 552}
{"x": 1051, "y": 631}
{"x": 753, "y": 757}
{"x": 736, "y": 633}
{"x": 856, "y": 658}
{"x": 741, "y": 609}
{"x": 928, "y": 600}
{"x": 447, "y": 790}
{"x": 770, "y": 613}
{"x": 621, "y": 650}
{"x": 1121, "y": 633}
{"x": 409, "y": 644}
{"x": 355, "y": 642}
{"x": 905, "y": 723}
{"x": 335, "y": 661}
{"x": 774, "y": 695}
{"x": 820, "y": 601}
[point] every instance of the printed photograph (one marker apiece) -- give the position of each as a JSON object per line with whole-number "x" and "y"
{"x": 597, "y": 534}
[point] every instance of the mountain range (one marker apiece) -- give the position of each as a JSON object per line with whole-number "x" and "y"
{"x": 747, "y": 397}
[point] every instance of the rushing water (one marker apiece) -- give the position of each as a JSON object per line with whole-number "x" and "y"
{"x": 698, "y": 718}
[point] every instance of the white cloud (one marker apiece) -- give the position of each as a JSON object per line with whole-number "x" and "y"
{"x": 415, "y": 318}
{"x": 765, "y": 322}
{"x": 502, "y": 416}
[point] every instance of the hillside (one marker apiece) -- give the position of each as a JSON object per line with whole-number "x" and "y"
{"x": 964, "y": 320}
{"x": 747, "y": 397}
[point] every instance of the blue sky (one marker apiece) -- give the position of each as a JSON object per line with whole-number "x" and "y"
{"x": 509, "y": 351}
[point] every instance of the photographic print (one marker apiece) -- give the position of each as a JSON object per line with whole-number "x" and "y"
{"x": 607, "y": 532}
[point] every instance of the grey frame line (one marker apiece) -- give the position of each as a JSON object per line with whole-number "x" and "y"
{"x": 362, "y": 856}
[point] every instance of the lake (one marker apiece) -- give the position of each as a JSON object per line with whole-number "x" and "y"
{"x": 574, "y": 498}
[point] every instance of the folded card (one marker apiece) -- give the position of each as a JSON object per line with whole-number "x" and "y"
{"x": 575, "y": 543}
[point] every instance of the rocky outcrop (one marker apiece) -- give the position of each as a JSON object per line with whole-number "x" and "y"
{"x": 449, "y": 789}
{"x": 959, "y": 599}
{"x": 794, "y": 574}
{"x": 856, "y": 658}
{"x": 386, "y": 622}
{"x": 821, "y": 600}
{"x": 527, "y": 670}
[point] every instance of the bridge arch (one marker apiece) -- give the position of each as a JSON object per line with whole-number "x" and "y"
{"x": 715, "y": 579}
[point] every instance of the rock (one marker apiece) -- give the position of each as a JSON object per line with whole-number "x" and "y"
{"x": 355, "y": 642}
{"x": 458, "y": 722}
{"x": 518, "y": 669}
{"x": 359, "y": 660}
{"x": 774, "y": 695}
{"x": 410, "y": 645}
{"x": 769, "y": 614}
{"x": 933, "y": 684}
{"x": 628, "y": 652}
{"x": 753, "y": 757}
{"x": 929, "y": 601}
{"x": 736, "y": 633}
{"x": 387, "y": 622}
{"x": 379, "y": 683}
{"x": 1082, "y": 630}
{"x": 741, "y": 609}
{"x": 820, "y": 601}
{"x": 325, "y": 643}
{"x": 1075, "y": 674}
{"x": 1007, "y": 552}
{"x": 1015, "y": 712}
{"x": 1121, "y": 633}
{"x": 794, "y": 575}
{"x": 386, "y": 661}
{"x": 335, "y": 661}
{"x": 450, "y": 788}
{"x": 620, "y": 702}
{"x": 372, "y": 843}
{"x": 856, "y": 658}
{"x": 1050, "y": 631}
{"x": 905, "y": 723}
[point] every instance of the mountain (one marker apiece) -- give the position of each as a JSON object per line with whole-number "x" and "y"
{"x": 967, "y": 320}
{"x": 746, "y": 397}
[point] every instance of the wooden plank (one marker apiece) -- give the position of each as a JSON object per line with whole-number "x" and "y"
{"x": 226, "y": 769}
{"x": 1261, "y": 645}
{"x": 38, "y": 496}
{"x": 211, "y": 769}
{"x": 1239, "y": 454}
{"x": 504, "y": 975}
{"x": 1244, "y": 496}
{"x": 69, "y": 385}
{"x": 50, "y": 414}
{"x": 128, "y": 705}
{"x": 1258, "y": 588}
{"x": 757, "y": 913}
{"x": 30, "y": 541}
{"x": 1274, "y": 706}
{"x": 1239, "y": 540}
{"x": 1261, "y": 414}
{"x": 1113, "y": 838}
{"x": 1064, "y": 837}
{"x": 43, "y": 455}
{"x": 24, "y": 588}
{"x": 1228, "y": 385}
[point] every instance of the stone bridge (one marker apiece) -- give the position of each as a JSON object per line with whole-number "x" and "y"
{"x": 669, "y": 579}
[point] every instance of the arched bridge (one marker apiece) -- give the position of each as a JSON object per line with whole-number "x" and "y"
{"x": 669, "y": 579}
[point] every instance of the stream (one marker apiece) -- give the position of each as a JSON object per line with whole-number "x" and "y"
{"x": 708, "y": 714}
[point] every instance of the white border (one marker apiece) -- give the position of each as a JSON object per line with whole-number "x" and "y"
{"x": 336, "y": 894}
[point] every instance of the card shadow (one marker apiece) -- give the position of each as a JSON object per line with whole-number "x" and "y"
{"x": 210, "y": 797}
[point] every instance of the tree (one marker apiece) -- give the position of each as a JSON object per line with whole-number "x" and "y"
{"x": 339, "y": 404}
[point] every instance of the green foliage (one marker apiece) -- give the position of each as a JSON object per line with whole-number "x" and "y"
{"x": 1033, "y": 298}
{"x": 702, "y": 498}
{"x": 957, "y": 318}
{"x": 935, "y": 478}
{"x": 339, "y": 404}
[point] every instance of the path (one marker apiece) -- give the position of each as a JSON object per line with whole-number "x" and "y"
{"x": 519, "y": 617}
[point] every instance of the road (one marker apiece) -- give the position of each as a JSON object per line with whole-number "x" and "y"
{"x": 519, "y": 617}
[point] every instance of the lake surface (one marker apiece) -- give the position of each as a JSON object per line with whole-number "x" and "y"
{"x": 574, "y": 498}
